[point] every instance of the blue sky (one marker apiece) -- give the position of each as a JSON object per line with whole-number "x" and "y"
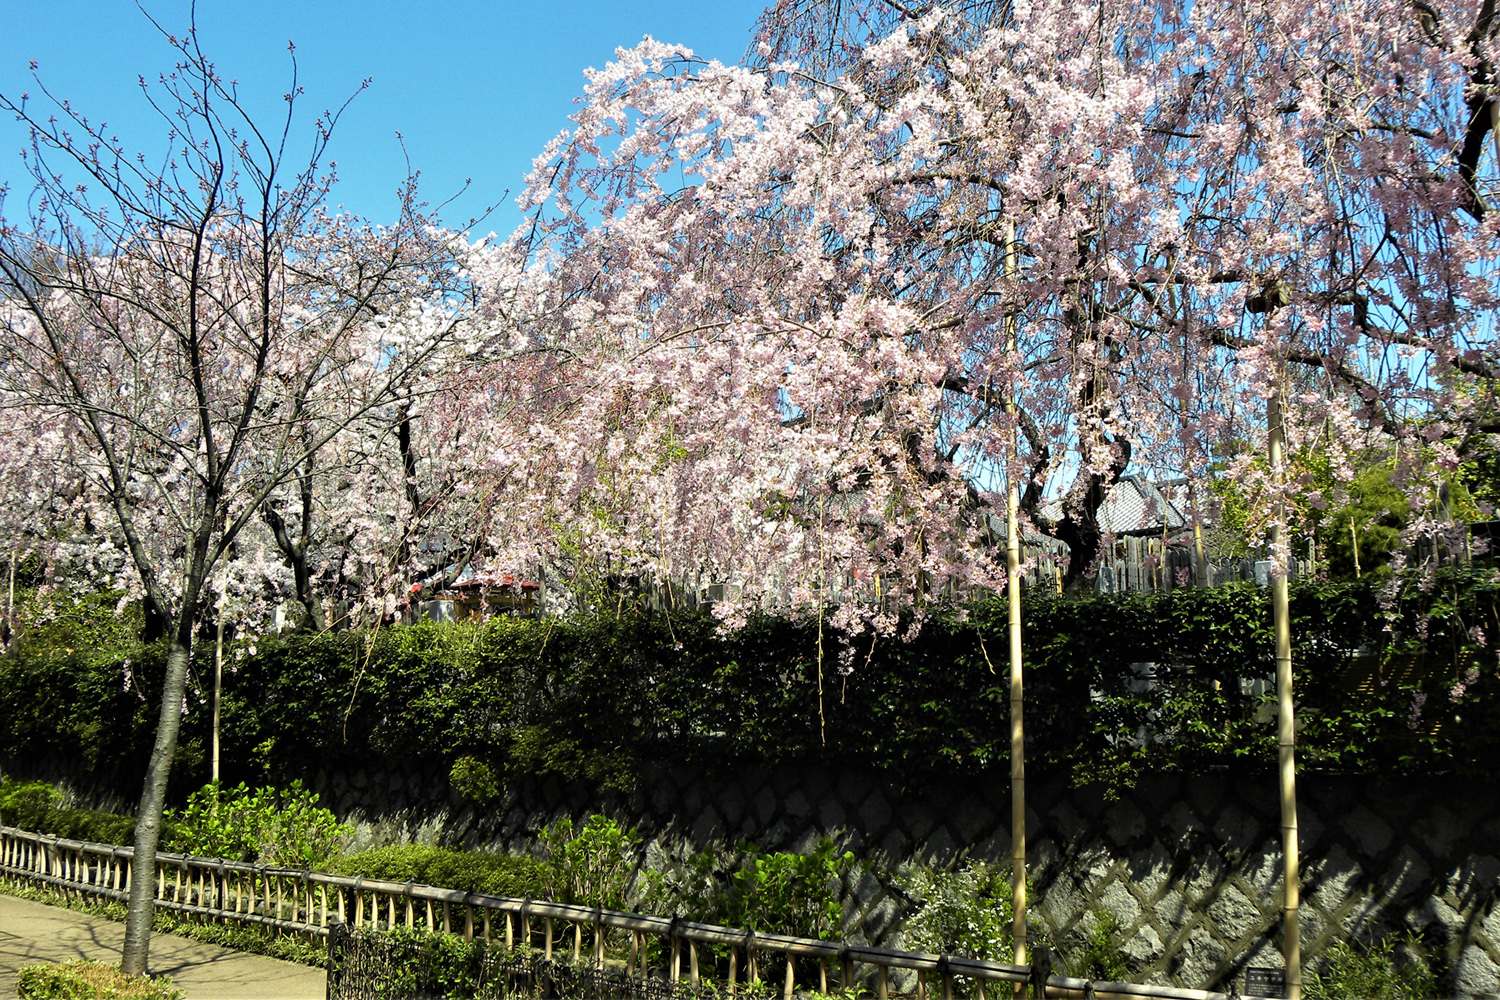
{"x": 475, "y": 88}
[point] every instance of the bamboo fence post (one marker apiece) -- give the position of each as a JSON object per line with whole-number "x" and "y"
{"x": 487, "y": 925}
{"x": 1286, "y": 732}
{"x": 1013, "y": 600}
{"x": 883, "y": 988}
{"x": 547, "y": 941}
{"x": 447, "y": 918}
{"x": 219, "y": 666}
{"x": 411, "y": 921}
{"x": 577, "y": 940}
{"x": 693, "y": 963}
{"x": 468, "y": 918}
{"x": 786, "y": 991}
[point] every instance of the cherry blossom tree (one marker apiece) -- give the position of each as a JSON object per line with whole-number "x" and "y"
{"x": 775, "y": 302}
{"x": 185, "y": 344}
{"x": 798, "y": 324}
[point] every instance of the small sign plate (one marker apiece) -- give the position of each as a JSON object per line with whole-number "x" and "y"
{"x": 1264, "y": 982}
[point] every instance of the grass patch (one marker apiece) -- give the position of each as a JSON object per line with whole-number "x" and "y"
{"x": 82, "y": 979}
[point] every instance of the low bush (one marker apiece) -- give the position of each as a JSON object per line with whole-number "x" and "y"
{"x": 1387, "y": 970}
{"x": 594, "y": 868}
{"x": 37, "y": 806}
{"x": 81, "y": 979}
{"x": 468, "y": 871}
{"x": 272, "y": 826}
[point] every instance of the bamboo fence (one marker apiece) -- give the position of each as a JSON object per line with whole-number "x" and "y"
{"x": 303, "y": 902}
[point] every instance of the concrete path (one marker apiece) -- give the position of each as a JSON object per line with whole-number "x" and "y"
{"x": 34, "y": 932}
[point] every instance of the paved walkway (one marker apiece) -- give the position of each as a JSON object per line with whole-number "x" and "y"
{"x": 34, "y": 932}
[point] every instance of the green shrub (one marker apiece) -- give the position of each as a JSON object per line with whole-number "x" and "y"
{"x": 36, "y": 806}
{"x": 27, "y": 804}
{"x": 473, "y": 779}
{"x": 422, "y": 964}
{"x": 788, "y": 893}
{"x": 81, "y": 979}
{"x": 1100, "y": 959}
{"x": 596, "y": 867}
{"x": 1393, "y": 969}
{"x": 271, "y": 826}
{"x": 965, "y": 912}
{"x": 517, "y": 876}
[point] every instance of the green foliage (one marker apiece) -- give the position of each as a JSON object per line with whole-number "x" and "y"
{"x": 473, "y": 779}
{"x": 965, "y": 912}
{"x": 1373, "y": 517}
{"x": 694, "y": 888}
{"x": 1100, "y": 959}
{"x": 428, "y": 965}
{"x": 278, "y": 827}
{"x": 546, "y": 750}
{"x": 83, "y": 979}
{"x": 37, "y": 806}
{"x": 1117, "y": 687}
{"x": 518, "y": 876}
{"x": 594, "y": 868}
{"x": 78, "y": 676}
{"x": 27, "y": 804}
{"x": 1387, "y": 970}
{"x": 788, "y": 893}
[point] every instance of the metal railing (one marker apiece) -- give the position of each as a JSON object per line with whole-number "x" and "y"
{"x": 306, "y": 902}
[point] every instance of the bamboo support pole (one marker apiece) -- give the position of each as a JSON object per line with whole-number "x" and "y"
{"x": 1013, "y": 600}
{"x": 1286, "y": 731}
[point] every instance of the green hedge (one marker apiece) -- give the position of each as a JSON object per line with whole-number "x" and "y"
{"x": 37, "y": 806}
{"x": 1405, "y": 688}
{"x": 519, "y": 877}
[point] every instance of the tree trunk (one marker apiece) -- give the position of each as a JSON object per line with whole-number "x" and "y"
{"x": 141, "y": 902}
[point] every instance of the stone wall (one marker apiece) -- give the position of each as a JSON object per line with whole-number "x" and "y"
{"x": 1188, "y": 867}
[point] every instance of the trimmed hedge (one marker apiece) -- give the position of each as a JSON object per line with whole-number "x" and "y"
{"x": 470, "y": 871}
{"x": 35, "y": 805}
{"x": 1116, "y": 687}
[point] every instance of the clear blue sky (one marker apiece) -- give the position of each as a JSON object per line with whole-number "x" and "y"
{"x": 476, "y": 88}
